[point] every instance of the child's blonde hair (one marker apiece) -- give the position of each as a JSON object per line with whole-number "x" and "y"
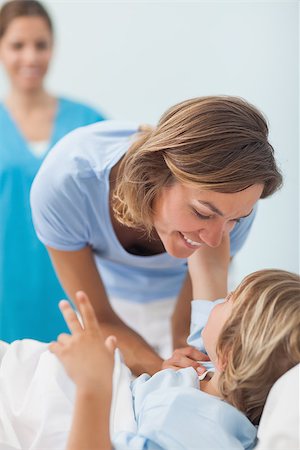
{"x": 261, "y": 339}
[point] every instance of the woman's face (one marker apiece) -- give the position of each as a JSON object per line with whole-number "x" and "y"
{"x": 186, "y": 217}
{"x": 25, "y": 52}
{"x": 215, "y": 323}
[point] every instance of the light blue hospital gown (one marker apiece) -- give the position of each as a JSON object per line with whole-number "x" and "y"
{"x": 29, "y": 289}
{"x": 171, "y": 412}
{"x": 70, "y": 209}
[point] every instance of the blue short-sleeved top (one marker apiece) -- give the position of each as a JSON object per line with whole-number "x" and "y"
{"x": 70, "y": 209}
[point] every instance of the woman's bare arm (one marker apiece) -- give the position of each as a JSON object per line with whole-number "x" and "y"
{"x": 181, "y": 317}
{"x": 77, "y": 271}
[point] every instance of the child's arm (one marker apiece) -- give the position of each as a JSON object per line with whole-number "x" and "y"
{"x": 89, "y": 363}
{"x": 208, "y": 269}
{"x": 90, "y": 424}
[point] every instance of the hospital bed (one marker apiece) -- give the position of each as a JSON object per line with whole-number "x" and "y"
{"x": 36, "y": 402}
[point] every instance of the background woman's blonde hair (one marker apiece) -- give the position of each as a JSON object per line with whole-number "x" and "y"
{"x": 215, "y": 143}
{"x": 261, "y": 339}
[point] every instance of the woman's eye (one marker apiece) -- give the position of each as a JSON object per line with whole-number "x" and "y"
{"x": 201, "y": 216}
{"x": 42, "y": 45}
{"x": 16, "y": 45}
{"x": 236, "y": 220}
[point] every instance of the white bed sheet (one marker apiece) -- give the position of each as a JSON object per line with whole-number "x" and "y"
{"x": 37, "y": 398}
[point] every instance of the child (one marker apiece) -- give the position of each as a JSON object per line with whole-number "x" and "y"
{"x": 252, "y": 339}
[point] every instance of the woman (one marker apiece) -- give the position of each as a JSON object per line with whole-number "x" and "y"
{"x": 31, "y": 121}
{"x": 119, "y": 211}
{"x": 252, "y": 338}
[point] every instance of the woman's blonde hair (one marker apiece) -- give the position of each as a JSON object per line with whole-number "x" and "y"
{"x": 261, "y": 339}
{"x": 216, "y": 143}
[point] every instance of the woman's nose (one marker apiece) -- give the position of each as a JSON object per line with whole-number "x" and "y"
{"x": 30, "y": 54}
{"x": 213, "y": 234}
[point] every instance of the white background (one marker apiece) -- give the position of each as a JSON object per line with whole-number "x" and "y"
{"x": 134, "y": 59}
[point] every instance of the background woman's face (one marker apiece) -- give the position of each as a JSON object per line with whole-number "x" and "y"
{"x": 25, "y": 52}
{"x": 186, "y": 217}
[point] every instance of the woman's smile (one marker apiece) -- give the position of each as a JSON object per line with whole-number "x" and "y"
{"x": 189, "y": 242}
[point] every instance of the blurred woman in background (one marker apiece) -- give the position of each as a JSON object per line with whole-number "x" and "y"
{"x": 31, "y": 121}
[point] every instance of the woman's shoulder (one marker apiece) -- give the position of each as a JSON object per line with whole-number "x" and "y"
{"x": 75, "y": 104}
{"x": 84, "y": 111}
{"x": 3, "y": 110}
{"x": 97, "y": 136}
{"x": 88, "y": 151}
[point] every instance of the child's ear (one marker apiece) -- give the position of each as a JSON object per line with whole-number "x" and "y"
{"x": 223, "y": 361}
{"x": 220, "y": 366}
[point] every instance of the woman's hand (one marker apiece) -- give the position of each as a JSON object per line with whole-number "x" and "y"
{"x": 186, "y": 357}
{"x": 88, "y": 360}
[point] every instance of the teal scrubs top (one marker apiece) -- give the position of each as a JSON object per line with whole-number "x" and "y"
{"x": 29, "y": 289}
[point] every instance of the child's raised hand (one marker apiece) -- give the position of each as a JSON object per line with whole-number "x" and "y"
{"x": 208, "y": 269}
{"x": 87, "y": 359}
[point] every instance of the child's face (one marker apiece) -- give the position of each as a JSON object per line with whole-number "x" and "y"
{"x": 214, "y": 326}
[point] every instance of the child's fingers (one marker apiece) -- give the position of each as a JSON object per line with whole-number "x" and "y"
{"x": 86, "y": 310}
{"x": 70, "y": 317}
{"x": 55, "y": 348}
{"x": 111, "y": 343}
{"x": 63, "y": 338}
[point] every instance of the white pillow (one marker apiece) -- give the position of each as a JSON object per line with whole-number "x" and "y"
{"x": 279, "y": 425}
